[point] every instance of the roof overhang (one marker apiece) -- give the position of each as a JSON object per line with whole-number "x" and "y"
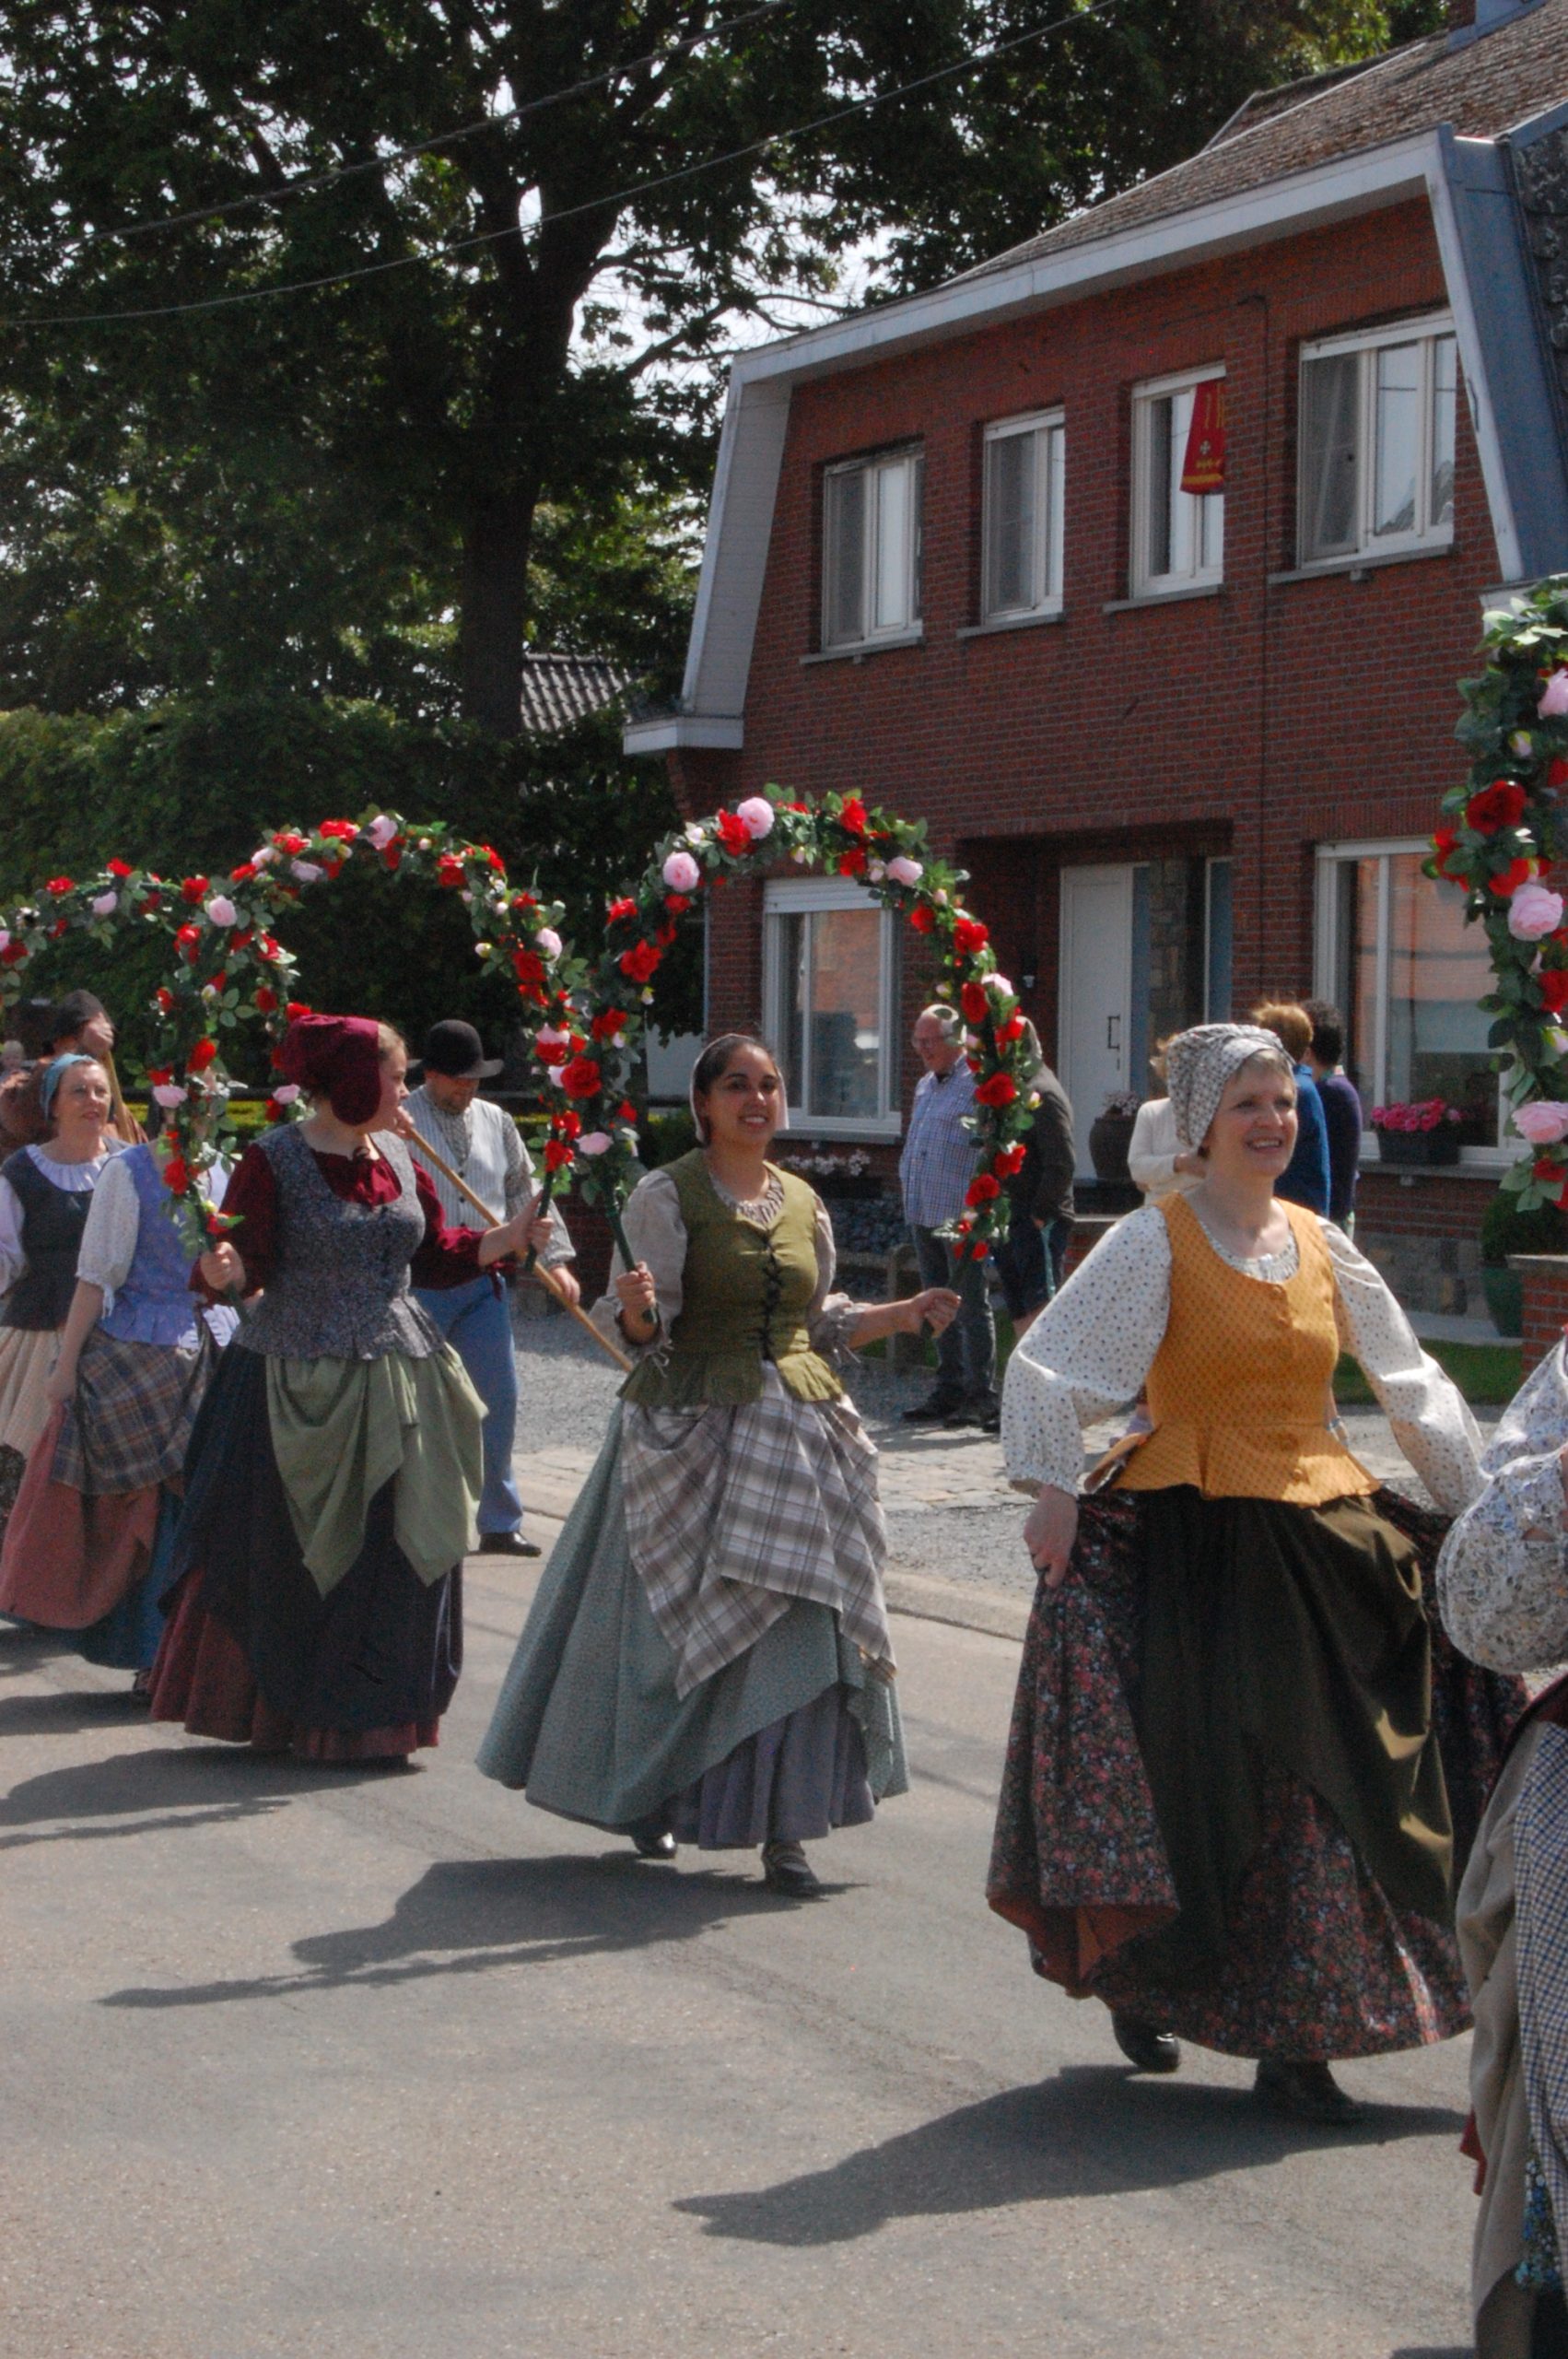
{"x": 761, "y": 382}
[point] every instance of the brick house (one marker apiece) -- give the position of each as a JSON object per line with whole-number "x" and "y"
{"x": 1187, "y": 742}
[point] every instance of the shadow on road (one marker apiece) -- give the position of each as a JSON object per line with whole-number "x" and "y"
{"x": 472, "y": 1916}
{"x": 185, "y": 1785}
{"x": 1094, "y": 2130}
{"x": 92, "y": 1707}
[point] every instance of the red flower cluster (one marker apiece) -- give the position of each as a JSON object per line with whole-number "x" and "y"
{"x": 639, "y": 964}
{"x": 621, "y": 911}
{"x": 344, "y": 829}
{"x": 201, "y": 1056}
{"x": 121, "y": 869}
{"x": 581, "y": 1078}
{"x": 1501, "y": 804}
{"x": 733, "y": 832}
{"x": 969, "y": 937}
{"x": 923, "y": 917}
{"x": 974, "y": 1001}
{"x": 983, "y": 1188}
{"x": 1508, "y": 880}
{"x": 193, "y": 889}
{"x": 58, "y": 884}
{"x": 999, "y": 1091}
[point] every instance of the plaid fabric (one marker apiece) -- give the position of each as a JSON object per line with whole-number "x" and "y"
{"x": 1540, "y": 1855}
{"x": 733, "y": 1512}
{"x": 938, "y": 1161}
{"x": 131, "y": 1419}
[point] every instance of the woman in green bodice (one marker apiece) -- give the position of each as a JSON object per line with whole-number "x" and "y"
{"x": 708, "y": 1659}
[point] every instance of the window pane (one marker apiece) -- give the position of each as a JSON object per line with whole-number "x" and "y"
{"x": 1358, "y": 992}
{"x": 1161, "y": 487}
{"x": 1210, "y": 530}
{"x": 845, "y": 538}
{"x": 1217, "y": 947}
{"x": 892, "y": 601}
{"x": 1445, "y": 403}
{"x": 845, "y": 1011}
{"x": 790, "y": 1017}
{"x": 1438, "y": 970}
{"x": 1397, "y": 438}
{"x": 1329, "y": 390}
{"x": 1010, "y": 521}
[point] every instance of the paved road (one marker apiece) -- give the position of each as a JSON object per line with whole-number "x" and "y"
{"x": 372, "y": 2065}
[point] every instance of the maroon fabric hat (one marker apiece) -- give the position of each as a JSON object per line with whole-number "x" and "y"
{"x": 340, "y": 1056}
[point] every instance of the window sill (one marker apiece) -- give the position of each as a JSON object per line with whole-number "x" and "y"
{"x": 804, "y": 1128}
{"x": 858, "y": 651}
{"x": 1148, "y": 598}
{"x": 1001, "y": 623}
{"x": 1356, "y": 566}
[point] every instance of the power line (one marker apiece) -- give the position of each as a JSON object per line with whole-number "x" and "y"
{"x": 615, "y": 199}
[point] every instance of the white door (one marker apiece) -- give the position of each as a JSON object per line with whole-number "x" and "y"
{"x": 1096, "y": 996}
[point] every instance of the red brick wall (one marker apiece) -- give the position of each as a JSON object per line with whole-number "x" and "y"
{"x": 1264, "y": 721}
{"x": 1546, "y": 1303}
{"x": 1432, "y": 1204}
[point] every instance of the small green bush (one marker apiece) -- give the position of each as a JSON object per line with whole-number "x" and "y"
{"x": 666, "y": 1137}
{"x": 1504, "y": 1229}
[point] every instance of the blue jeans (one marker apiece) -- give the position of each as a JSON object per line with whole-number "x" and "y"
{"x": 476, "y": 1322}
{"x": 966, "y": 1354}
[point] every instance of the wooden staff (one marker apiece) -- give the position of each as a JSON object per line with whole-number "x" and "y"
{"x": 545, "y": 1276}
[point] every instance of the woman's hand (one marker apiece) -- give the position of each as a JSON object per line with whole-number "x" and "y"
{"x": 938, "y": 1305}
{"x": 60, "y": 1384}
{"x": 1050, "y": 1530}
{"x": 638, "y": 1298}
{"x": 222, "y": 1270}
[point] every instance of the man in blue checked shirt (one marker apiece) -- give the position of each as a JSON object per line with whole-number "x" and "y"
{"x": 934, "y": 1170}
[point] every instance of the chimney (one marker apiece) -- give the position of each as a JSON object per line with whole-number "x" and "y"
{"x": 1473, "y": 19}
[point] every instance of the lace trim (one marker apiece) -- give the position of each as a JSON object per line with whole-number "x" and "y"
{"x": 1270, "y": 1269}
{"x": 762, "y": 1211}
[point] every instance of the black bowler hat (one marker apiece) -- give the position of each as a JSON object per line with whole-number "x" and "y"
{"x": 455, "y": 1049}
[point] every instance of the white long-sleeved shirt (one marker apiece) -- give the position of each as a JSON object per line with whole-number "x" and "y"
{"x": 1503, "y": 1576}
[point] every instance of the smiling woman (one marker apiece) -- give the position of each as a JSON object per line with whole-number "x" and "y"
{"x": 1243, "y": 1756}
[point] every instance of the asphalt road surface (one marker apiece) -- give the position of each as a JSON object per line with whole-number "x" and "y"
{"x": 386, "y": 2065}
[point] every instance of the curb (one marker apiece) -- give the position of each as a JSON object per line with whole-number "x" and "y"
{"x": 996, "y": 1612}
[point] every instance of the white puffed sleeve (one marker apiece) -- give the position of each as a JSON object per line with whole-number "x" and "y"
{"x": 1088, "y": 1352}
{"x": 1431, "y": 1420}
{"x": 108, "y": 1240}
{"x": 657, "y": 1235}
{"x": 12, "y": 1261}
{"x": 1503, "y": 1575}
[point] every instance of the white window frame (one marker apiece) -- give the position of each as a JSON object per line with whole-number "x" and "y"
{"x": 1366, "y": 343}
{"x": 910, "y": 455}
{"x": 1145, "y": 584}
{"x": 1048, "y": 429}
{"x": 1375, "y": 1067}
{"x": 805, "y": 896}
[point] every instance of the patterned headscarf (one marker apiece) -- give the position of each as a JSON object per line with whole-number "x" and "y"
{"x": 1199, "y": 1064}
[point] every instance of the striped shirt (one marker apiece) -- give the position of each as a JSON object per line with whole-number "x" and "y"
{"x": 485, "y": 1148}
{"x": 938, "y": 1161}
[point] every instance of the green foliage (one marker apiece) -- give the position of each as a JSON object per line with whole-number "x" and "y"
{"x": 666, "y": 1137}
{"x": 1485, "y": 1373}
{"x": 1505, "y": 1229}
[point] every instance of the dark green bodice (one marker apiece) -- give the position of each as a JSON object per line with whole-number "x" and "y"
{"x": 745, "y": 1293}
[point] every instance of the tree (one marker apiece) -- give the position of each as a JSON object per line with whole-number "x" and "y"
{"x": 327, "y": 488}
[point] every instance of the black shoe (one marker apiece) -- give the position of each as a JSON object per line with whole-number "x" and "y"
{"x": 985, "y": 1414}
{"x": 786, "y": 1869}
{"x": 506, "y": 1543}
{"x": 1305, "y": 2093}
{"x": 1147, "y": 2050}
{"x": 937, "y": 1411}
{"x": 653, "y": 1840}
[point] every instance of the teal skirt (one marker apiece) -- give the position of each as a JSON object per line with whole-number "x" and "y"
{"x": 587, "y": 1723}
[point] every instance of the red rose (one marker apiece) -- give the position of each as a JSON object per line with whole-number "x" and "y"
{"x": 731, "y": 832}
{"x": 1501, "y": 804}
{"x": 164, "y": 999}
{"x": 1009, "y": 1162}
{"x": 267, "y": 948}
{"x": 1508, "y": 880}
{"x": 1547, "y": 1169}
{"x": 118, "y": 868}
{"x": 448, "y": 871}
{"x": 639, "y": 964}
{"x": 392, "y": 856}
{"x": 494, "y": 857}
{"x": 566, "y": 1122}
{"x": 158, "y": 1074}
{"x": 664, "y": 935}
{"x": 619, "y": 912}
{"x": 243, "y": 939}
{"x": 521, "y": 901}
{"x": 14, "y": 952}
{"x": 344, "y": 829}
{"x": 581, "y": 1078}
{"x": 266, "y": 999}
{"x": 1444, "y": 844}
{"x": 557, "y": 1154}
{"x": 1011, "y": 1031}
{"x": 58, "y": 930}
{"x": 975, "y": 1004}
{"x": 608, "y": 1021}
{"x": 287, "y": 841}
{"x": 923, "y": 917}
{"x": 243, "y": 874}
{"x": 853, "y": 863}
{"x": 1553, "y": 981}
{"x": 201, "y": 1056}
{"x": 58, "y": 884}
{"x": 1558, "y": 774}
{"x": 982, "y": 1190}
{"x": 969, "y": 936}
{"x": 193, "y": 889}
{"x": 626, "y": 1111}
{"x": 187, "y": 942}
{"x": 528, "y": 966}
{"x": 677, "y": 903}
{"x": 852, "y": 815}
{"x": 295, "y": 1010}
{"x": 176, "y": 1178}
{"x": 999, "y": 1091}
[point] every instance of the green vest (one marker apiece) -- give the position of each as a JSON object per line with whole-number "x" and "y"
{"x": 745, "y": 1292}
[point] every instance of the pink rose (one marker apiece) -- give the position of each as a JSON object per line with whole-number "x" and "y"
{"x": 594, "y": 1143}
{"x": 905, "y": 872}
{"x": 103, "y": 905}
{"x": 1533, "y": 911}
{"x": 681, "y": 873}
{"x": 286, "y": 1093}
{"x": 309, "y": 871}
{"x": 548, "y": 942}
{"x": 755, "y": 814}
{"x": 381, "y": 831}
{"x": 168, "y": 1095}
{"x": 221, "y": 910}
{"x": 1553, "y": 705}
{"x": 1543, "y": 1122}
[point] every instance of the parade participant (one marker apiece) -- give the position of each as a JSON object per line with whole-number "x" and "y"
{"x": 1156, "y": 1162}
{"x": 1031, "y": 1259}
{"x": 483, "y": 1145}
{"x": 1224, "y": 1811}
{"x": 1307, "y": 1182}
{"x": 335, "y": 1462}
{"x": 707, "y": 1659}
{"x": 90, "y": 1542}
{"x": 934, "y": 1171}
{"x": 1502, "y": 1584}
{"x": 81, "y": 1021}
{"x": 45, "y": 1190}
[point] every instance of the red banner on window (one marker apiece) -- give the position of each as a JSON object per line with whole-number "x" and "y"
{"x": 1203, "y": 469}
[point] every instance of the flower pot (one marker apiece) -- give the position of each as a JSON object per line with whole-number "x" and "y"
{"x": 1420, "y": 1149}
{"x": 1110, "y": 1135}
{"x": 1504, "y": 1292}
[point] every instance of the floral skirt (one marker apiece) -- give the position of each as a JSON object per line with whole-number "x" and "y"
{"x": 1315, "y": 1960}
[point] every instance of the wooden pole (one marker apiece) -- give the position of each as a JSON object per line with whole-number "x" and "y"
{"x": 547, "y": 1277}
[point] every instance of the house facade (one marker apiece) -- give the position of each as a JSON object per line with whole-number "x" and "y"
{"x": 1142, "y": 564}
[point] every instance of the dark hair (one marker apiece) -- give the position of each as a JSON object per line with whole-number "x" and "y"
{"x": 75, "y": 1010}
{"x": 715, "y": 1063}
{"x": 33, "y": 1024}
{"x": 1327, "y": 1030}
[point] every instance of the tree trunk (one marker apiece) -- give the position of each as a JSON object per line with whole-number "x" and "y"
{"x": 496, "y": 546}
